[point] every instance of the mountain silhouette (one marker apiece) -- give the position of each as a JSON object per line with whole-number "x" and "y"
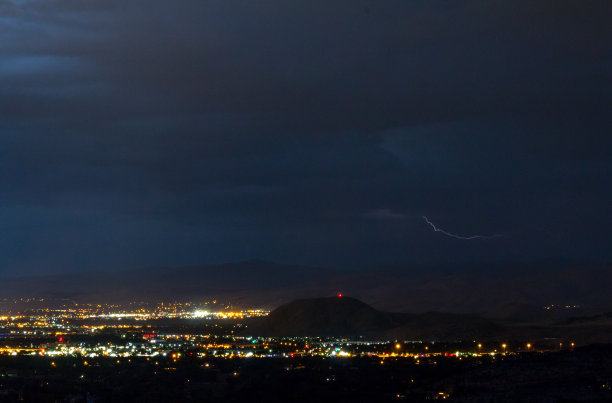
{"x": 346, "y": 316}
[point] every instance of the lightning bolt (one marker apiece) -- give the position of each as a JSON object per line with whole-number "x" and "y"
{"x": 466, "y": 238}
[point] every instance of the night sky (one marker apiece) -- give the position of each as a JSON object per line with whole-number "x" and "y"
{"x": 175, "y": 133}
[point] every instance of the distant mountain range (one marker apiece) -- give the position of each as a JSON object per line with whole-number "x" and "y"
{"x": 512, "y": 292}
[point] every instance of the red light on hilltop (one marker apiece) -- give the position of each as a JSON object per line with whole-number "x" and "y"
{"x": 340, "y": 295}
{"x": 61, "y": 339}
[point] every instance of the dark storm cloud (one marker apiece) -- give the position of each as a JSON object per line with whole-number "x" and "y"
{"x": 197, "y": 131}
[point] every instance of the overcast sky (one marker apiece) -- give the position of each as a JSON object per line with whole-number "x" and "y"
{"x": 171, "y": 133}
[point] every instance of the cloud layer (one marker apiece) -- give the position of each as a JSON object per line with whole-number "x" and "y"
{"x": 157, "y": 133}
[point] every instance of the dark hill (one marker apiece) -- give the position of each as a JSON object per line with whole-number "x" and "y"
{"x": 345, "y": 316}
{"x": 335, "y": 316}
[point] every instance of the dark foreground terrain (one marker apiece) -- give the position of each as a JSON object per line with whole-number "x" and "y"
{"x": 581, "y": 375}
